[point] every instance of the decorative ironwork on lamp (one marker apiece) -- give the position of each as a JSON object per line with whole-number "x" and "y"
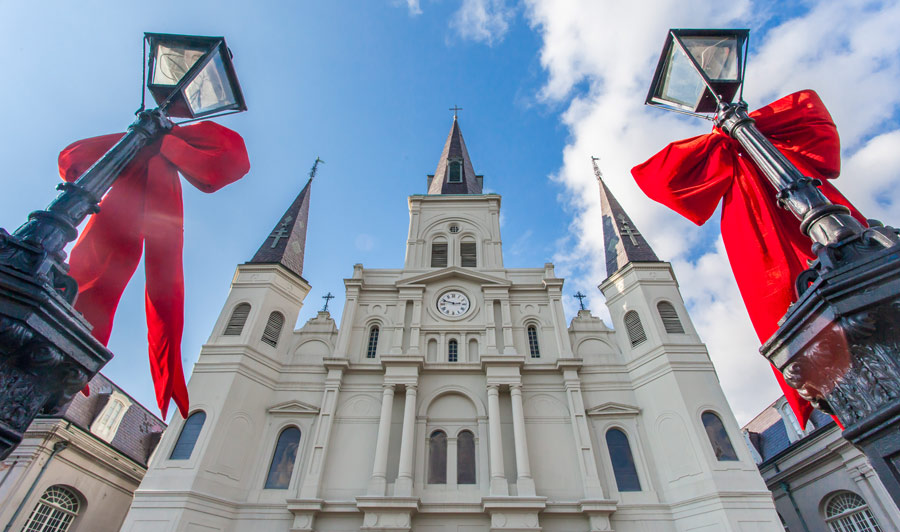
{"x": 838, "y": 344}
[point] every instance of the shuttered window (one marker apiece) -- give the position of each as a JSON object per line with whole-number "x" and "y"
{"x": 669, "y": 317}
{"x": 188, "y": 437}
{"x": 273, "y": 328}
{"x": 468, "y": 258}
{"x": 439, "y": 255}
{"x": 635, "y": 330}
{"x": 237, "y": 320}
{"x": 372, "y": 347}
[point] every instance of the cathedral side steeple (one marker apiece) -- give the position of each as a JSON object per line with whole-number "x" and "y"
{"x": 454, "y": 173}
{"x": 624, "y": 243}
{"x": 286, "y": 243}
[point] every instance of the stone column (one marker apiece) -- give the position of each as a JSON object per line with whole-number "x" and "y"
{"x": 525, "y": 483}
{"x": 378, "y": 482}
{"x": 498, "y": 477}
{"x": 403, "y": 486}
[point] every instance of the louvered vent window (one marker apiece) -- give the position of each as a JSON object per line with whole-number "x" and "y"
{"x": 273, "y": 328}
{"x": 452, "y": 351}
{"x": 635, "y": 329}
{"x": 669, "y": 317}
{"x": 237, "y": 320}
{"x": 467, "y": 254}
{"x": 372, "y": 348}
{"x": 439, "y": 255}
{"x": 455, "y": 172}
{"x": 533, "y": 345}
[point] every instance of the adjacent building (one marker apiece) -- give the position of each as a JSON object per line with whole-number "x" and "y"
{"x": 819, "y": 480}
{"x": 453, "y": 396}
{"x": 77, "y": 470}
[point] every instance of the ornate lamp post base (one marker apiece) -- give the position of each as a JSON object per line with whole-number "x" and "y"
{"x": 839, "y": 344}
{"x": 47, "y": 353}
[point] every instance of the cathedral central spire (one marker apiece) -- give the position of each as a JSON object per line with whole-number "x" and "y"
{"x": 286, "y": 244}
{"x": 454, "y": 173}
{"x": 624, "y": 243}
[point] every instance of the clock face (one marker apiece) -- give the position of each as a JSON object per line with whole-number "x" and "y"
{"x": 453, "y": 303}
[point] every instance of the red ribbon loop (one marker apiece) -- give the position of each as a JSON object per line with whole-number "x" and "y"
{"x": 143, "y": 209}
{"x": 764, "y": 243}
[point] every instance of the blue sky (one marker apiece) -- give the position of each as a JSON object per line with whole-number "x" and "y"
{"x": 366, "y": 87}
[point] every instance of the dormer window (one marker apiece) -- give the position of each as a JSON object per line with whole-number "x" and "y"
{"x": 107, "y": 422}
{"x": 455, "y": 172}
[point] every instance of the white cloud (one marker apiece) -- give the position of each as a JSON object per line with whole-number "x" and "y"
{"x": 413, "y": 6}
{"x": 599, "y": 57}
{"x": 365, "y": 242}
{"x": 485, "y": 21}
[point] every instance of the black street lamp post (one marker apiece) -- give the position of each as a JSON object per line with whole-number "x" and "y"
{"x": 838, "y": 344}
{"x": 47, "y": 353}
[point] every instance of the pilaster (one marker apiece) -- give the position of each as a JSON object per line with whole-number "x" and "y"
{"x": 584, "y": 448}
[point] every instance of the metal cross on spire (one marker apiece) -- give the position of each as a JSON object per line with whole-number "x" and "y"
{"x": 315, "y": 168}
{"x": 455, "y": 109}
{"x": 626, "y": 230}
{"x": 597, "y": 171}
{"x": 327, "y": 297}
{"x": 578, "y": 295}
{"x": 281, "y": 232}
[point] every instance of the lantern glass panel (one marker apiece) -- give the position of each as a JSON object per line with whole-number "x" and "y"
{"x": 173, "y": 61}
{"x": 716, "y": 55}
{"x": 681, "y": 84}
{"x": 211, "y": 89}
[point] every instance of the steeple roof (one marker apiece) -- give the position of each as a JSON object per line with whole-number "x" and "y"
{"x": 286, "y": 243}
{"x": 455, "y": 152}
{"x": 624, "y": 243}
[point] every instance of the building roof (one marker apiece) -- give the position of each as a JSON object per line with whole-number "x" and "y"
{"x": 624, "y": 243}
{"x": 455, "y": 150}
{"x": 286, "y": 244}
{"x": 768, "y": 433}
{"x": 139, "y": 430}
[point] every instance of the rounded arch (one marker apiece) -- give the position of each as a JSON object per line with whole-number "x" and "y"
{"x": 609, "y": 346}
{"x": 188, "y": 435}
{"x": 58, "y": 508}
{"x": 440, "y": 227}
{"x": 845, "y": 510}
{"x": 284, "y": 457}
{"x": 314, "y": 346}
{"x": 669, "y": 317}
{"x": 274, "y": 326}
{"x": 240, "y": 313}
{"x": 634, "y": 327}
{"x": 480, "y": 410}
{"x": 719, "y": 438}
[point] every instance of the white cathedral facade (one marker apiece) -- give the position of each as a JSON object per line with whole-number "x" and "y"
{"x": 454, "y": 396}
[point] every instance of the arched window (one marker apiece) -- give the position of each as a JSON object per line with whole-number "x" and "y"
{"x": 465, "y": 458}
{"x": 273, "y": 328}
{"x": 848, "y": 512}
{"x": 237, "y": 320}
{"x": 635, "y": 330}
{"x": 669, "y": 317}
{"x": 452, "y": 351}
{"x": 455, "y": 172}
{"x": 622, "y": 461}
{"x": 533, "y": 345}
{"x": 54, "y": 512}
{"x": 190, "y": 431}
{"x": 718, "y": 438}
{"x": 439, "y": 253}
{"x": 468, "y": 256}
{"x": 283, "y": 459}
{"x": 473, "y": 350}
{"x": 372, "y": 346}
{"x": 432, "y": 350}
{"x": 437, "y": 458}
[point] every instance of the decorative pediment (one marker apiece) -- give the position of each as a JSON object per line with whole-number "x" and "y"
{"x": 612, "y": 409}
{"x": 454, "y": 272}
{"x": 294, "y": 408}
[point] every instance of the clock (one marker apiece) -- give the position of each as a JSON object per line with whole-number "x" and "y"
{"x": 453, "y": 303}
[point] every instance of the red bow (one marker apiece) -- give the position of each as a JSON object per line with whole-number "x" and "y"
{"x": 764, "y": 243}
{"x": 144, "y": 209}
